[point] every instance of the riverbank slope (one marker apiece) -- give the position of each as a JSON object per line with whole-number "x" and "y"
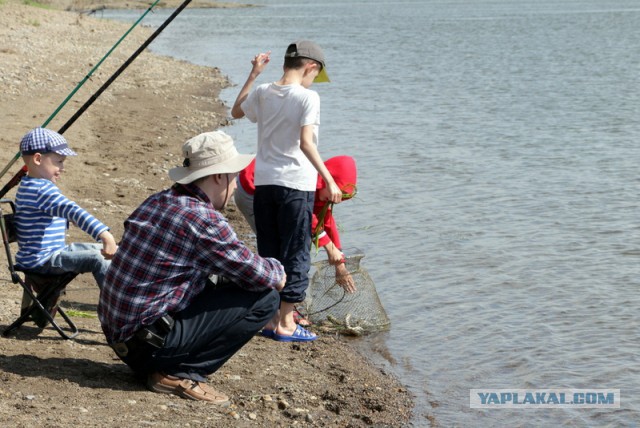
{"x": 126, "y": 141}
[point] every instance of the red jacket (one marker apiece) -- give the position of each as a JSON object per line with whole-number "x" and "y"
{"x": 344, "y": 172}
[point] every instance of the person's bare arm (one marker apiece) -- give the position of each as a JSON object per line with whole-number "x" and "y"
{"x": 259, "y": 62}
{"x": 109, "y": 246}
{"x": 282, "y": 283}
{"x": 310, "y": 150}
{"x": 344, "y": 278}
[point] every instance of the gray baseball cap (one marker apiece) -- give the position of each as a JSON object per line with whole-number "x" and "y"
{"x": 308, "y": 49}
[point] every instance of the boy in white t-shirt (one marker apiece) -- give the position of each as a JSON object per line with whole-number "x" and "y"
{"x": 287, "y": 166}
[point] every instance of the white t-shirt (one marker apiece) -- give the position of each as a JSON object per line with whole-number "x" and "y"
{"x": 280, "y": 112}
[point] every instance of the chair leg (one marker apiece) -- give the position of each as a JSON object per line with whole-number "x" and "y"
{"x": 72, "y": 327}
{"x": 41, "y": 315}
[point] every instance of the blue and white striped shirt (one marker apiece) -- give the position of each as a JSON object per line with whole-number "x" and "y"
{"x": 41, "y": 219}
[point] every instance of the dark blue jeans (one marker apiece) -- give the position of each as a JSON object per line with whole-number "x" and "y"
{"x": 206, "y": 334}
{"x": 283, "y": 225}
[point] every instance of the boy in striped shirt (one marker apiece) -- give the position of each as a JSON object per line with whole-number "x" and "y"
{"x": 43, "y": 214}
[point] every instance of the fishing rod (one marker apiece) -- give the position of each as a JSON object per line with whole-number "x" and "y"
{"x": 16, "y": 179}
{"x": 82, "y": 82}
{"x": 123, "y": 67}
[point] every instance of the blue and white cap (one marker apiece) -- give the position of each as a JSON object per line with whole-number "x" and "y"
{"x": 42, "y": 140}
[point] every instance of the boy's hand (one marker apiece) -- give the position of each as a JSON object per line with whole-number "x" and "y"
{"x": 334, "y": 255}
{"x": 109, "y": 246}
{"x": 259, "y": 63}
{"x": 335, "y": 194}
{"x": 344, "y": 279}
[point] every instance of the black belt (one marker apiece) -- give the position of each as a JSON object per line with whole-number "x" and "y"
{"x": 153, "y": 335}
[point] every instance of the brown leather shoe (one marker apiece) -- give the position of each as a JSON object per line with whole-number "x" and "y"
{"x": 185, "y": 388}
{"x": 162, "y": 383}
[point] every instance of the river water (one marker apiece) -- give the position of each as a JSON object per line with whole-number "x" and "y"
{"x": 498, "y": 148}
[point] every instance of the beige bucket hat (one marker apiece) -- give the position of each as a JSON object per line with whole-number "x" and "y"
{"x": 208, "y": 154}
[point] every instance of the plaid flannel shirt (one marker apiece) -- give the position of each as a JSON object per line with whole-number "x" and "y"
{"x": 172, "y": 243}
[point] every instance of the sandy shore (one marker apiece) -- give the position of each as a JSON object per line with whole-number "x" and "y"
{"x": 126, "y": 141}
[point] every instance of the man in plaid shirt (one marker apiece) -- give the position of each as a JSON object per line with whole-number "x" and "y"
{"x": 159, "y": 308}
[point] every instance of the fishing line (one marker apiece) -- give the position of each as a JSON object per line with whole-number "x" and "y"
{"x": 344, "y": 294}
{"x": 79, "y": 85}
{"x": 123, "y": 67}
{"x": 16, "y": 178}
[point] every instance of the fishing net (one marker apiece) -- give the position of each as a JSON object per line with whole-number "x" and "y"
{"x": 328, "y": 306}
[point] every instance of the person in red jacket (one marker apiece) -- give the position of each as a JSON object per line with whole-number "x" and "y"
{"x": 324, "y": 227}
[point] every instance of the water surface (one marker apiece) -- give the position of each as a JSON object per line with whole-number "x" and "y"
{"x": 497, "y": 145}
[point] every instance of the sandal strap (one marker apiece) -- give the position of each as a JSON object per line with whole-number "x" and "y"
{"x": 187, "y": 389}
{"x": 301, "y": 331}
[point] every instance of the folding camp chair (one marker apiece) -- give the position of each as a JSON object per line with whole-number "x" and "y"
{"x": 41, "y": 293}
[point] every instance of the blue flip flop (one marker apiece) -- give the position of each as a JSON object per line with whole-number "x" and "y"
{"x": 267, "y": 333}
{"x": 300, "y": 335}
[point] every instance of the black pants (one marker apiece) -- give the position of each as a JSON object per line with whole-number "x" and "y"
{"x": 283, "y": 223}
{"x": 206, "y": 334}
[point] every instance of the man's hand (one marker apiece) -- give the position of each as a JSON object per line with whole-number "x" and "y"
{"x": 281, "y": 284}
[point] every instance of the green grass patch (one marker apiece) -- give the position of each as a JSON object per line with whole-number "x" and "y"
{"x": 36, "y": 4}
{"x": 80, "y": 314}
